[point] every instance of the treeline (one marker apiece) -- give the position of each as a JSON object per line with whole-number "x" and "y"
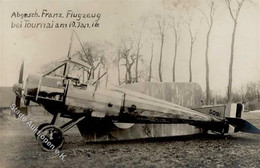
{"x": 248, "y": 94}
{"x": 183, "y": 18}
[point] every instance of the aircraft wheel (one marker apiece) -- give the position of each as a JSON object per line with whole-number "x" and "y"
{"x": 40, "y": 127}
{"x": 50, "y": 138}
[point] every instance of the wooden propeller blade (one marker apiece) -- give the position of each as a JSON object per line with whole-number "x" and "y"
{"x": 21, "y": 73}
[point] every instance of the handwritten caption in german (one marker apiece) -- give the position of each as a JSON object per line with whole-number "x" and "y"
{"x": 48, "y": 19}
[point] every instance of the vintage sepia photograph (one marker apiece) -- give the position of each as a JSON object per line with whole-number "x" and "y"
{"x": 127, "y": 83}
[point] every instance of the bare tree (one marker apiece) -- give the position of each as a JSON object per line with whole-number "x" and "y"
{"x": 138, "y": 50}
{"x": 118, "y": 66}
{"x": 91, "y": 53}
{"x": 150, "y": 65}
{"x": 162, "y": 30}
{"x": 234, "y": 13}
{"x": 129, "y": 57}
{"x": 97, "y": 55}
{"x": 105, "y": 65}
{"x": 209, "y": 21}
{"x": 193, "y": 37}
{"x": 177, "y": 33}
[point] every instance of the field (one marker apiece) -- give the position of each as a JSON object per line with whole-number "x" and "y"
{"x": 20, "y": 149}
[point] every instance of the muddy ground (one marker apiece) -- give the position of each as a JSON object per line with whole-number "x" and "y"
{"x": 18, "y": 148}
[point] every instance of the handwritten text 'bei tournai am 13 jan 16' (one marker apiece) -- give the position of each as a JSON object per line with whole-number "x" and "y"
{"x": 49, "y": 19}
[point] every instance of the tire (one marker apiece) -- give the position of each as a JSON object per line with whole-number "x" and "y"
{"x": 50, "y": 138}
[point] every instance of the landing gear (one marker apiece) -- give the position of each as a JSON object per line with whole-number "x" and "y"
{"x": 50, "y": 138}
{"x": 53, "y": 121}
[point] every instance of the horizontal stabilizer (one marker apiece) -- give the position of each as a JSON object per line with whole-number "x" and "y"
{"x": 242, "y": 125}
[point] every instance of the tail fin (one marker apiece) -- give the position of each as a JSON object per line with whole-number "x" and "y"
{"x": 233, "y": 116}
{"x": 242, "y": 125}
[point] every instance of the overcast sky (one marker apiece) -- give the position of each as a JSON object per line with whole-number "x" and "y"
{"x": 39, "y": 46}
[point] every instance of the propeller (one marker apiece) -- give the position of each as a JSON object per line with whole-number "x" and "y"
{"x": 18, "y": 88}
{"x": 21, "y": 74}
